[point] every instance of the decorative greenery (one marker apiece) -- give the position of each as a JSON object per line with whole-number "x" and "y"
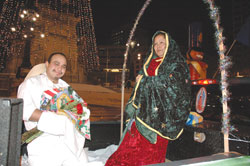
{"x": 225, "y": 64}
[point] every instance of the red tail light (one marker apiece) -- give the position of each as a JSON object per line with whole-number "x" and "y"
{"x": 204, "y": 82}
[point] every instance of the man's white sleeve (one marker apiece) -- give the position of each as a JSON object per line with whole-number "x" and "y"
{"x": 29, "y": 104}
{"x": 52, "y": 123}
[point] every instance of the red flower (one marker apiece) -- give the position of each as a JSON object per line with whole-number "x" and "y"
{"x": 71, "y": 101}
{"x": 80, "y": 123}
{"x": 79, "y": 109}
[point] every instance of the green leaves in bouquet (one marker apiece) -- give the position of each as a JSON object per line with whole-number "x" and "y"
{"x": 70, "y": 105}
{"x": 75, "y": 107}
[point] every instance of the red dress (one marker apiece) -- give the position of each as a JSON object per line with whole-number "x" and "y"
{"x": 136, "y": 150}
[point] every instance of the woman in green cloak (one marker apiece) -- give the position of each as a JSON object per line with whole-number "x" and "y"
{"x": 158, "y": 107}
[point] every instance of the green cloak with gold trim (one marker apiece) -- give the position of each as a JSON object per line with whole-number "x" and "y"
{"x": 160, "y": 104}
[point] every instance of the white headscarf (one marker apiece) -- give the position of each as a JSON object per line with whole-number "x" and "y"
{"x": 36, "y": 70}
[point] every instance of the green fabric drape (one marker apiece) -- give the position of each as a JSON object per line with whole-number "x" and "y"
{"x": 160, "y": 104}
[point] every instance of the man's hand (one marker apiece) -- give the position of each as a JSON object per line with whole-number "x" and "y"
{"x": 35, "y": 115}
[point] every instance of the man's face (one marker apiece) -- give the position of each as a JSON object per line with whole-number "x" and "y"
{"x": 56, "y": 68}
{"x": 160, "y": 45}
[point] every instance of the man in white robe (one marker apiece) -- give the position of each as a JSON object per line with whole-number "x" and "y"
{"x": 60, "y": 144}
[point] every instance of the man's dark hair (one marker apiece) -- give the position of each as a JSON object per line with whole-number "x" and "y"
{"x": 56, "y": 53}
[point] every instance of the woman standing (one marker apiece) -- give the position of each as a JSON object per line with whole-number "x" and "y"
{"x": 158, "y": 107}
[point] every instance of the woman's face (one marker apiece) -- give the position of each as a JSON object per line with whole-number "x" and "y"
{"x": 160, "y": 45}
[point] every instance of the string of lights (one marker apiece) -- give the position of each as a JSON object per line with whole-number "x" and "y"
{"x": 88, "y": 58}
{"x": 7, "y": 30}
{"x": 19, "y": 22}
{"x": 69, "y": 38}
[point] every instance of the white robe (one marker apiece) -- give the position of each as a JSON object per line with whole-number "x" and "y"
{"x": 62, "y": 149}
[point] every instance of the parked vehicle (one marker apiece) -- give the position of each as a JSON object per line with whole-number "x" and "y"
{"x": 206, "y": 138}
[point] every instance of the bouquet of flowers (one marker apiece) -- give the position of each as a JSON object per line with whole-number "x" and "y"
{"x": 63, "y": 101}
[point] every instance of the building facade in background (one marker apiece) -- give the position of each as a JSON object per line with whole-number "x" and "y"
{"x": 42, "y": 28}
{"x": 137, "y": 47}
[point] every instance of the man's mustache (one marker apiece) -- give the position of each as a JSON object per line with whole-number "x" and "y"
{"x": 56, "y": 71}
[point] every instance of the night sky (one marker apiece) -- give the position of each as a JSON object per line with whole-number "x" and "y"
{"x": 168, "y": 15}
{"x": 172, "y": 16}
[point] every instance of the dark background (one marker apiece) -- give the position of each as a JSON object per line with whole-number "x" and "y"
{"x": 172, "y": 16}
{"x": 169, "y": 15}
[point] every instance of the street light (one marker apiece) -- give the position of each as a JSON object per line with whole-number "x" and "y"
{"x": 131, "y": 58}
{"x": 13, "y": 29}
{"x": 139, "y": 56}
{"x": 107, "y": 66}
{"x": 132, "y": 44}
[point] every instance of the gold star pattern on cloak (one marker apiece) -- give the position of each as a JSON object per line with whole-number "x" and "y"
{"x": 163, "y": 125}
